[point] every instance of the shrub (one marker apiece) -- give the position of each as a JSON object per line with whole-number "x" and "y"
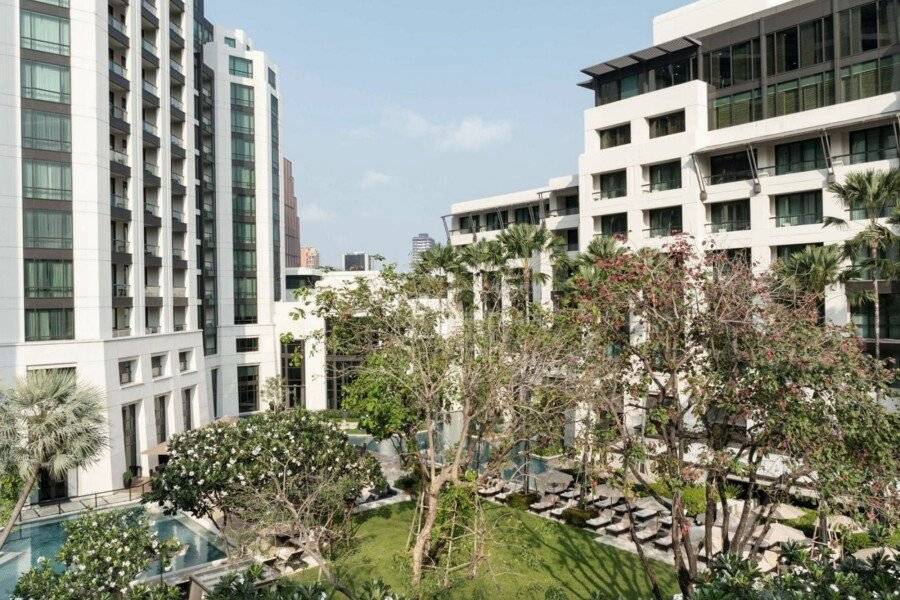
{"x": 694, "y": 496}
{"x": 578, "y": 517}
{"x": 409, "y": 483}
{"x": 806, "y": 523}
{"x": 521, "y": 500}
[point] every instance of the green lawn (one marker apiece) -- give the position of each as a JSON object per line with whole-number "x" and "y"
{"x": 528, "y": 556}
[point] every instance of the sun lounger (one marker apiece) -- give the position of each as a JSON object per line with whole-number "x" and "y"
{"x": 602, "y": 520}
{"x": 492, "y": 490}
{"x": 619, "y": 528}
{"x": 664, "y": 542}
{"x": 643, "y": 515}
{"x": 608, "y": 503}
{"x": 546, "y": 503}
{"x": 503, "y": 495}
{"x": 646, "y": 534}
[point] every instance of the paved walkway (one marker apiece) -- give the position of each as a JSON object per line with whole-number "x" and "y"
{"x": 36, "y": 512}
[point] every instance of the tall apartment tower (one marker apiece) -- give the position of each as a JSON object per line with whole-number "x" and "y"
{"x": 291, "y": 218}
{"x": 136, "y": 141}
{"x": 420, "y": 243}
{"x": 730, "y": 129}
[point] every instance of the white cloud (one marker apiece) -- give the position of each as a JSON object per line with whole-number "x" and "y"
{"x": 310, "y": 212}
{"x": 372, "y": 179}
{"x": 469, "y": 134}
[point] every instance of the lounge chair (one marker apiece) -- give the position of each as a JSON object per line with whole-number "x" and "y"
{"x": 602, "y": 520}
{"x": 491, "y": 490}
{"x": 664, "y": 542}
{"x": 504, "y": 495}
{"x": 571, "y": 494}
{"x": 608, "y": 502}
{"x": 558, "y": 511}
{"x": 646, "y": 534}
{"x": 545, "y": 503}
{"x": 646, "y": 513}
{"x": 619, "y": 528}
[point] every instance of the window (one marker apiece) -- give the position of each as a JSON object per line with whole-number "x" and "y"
{"x": 158, "y": 365}
{"x": 569, "y": 238}
{"x": 663, "y": 76}
{"x": 46, "y": 131}
{"x": 242, "y": 149}
{"x": 735, "y": 110}
{"x": 241, "y": 122}
{"x": 665, "y": 222}
{"x": 248, "y": 389}
{"x": 243, "y": 177}
{"x": 243, "y": 204}
{"x": 468, "y": 224}
{"x": 733, "y": 64}
{"x": 863, "y": 316}
{"x": 187, "y": 408}
{"x": 729, "y": 216}
{"x": 871, "y": 78}
{"x": 48, "y": 278}
{"x": 244, "y": 260}
{"x": 126, "y": 372}
{"x": 613, "y": 185}
{"x": 666, "y": 124}
{"x": 245, "y": 233}
{"x": 876, "y": 143}
{"x": 161, "y": 418}
{"x": 798, "y": 95}
{"x": 804, "y": 208}
{"x": 666, "y": 176}
{"x": 230, "y": 42}
{"x": 49, "y": 324}
{"x": 271, "y": 77}
{"x": 615, "y": 136}
{"x": 799, "y": 46}
{"x": 858, "y": 29}
{"x": 214, "y": 391}
{"x": 340, "y": 371}
{"x": 727, "y": 168}
{"x": 184, "y": 361}
{"x": 669, "y": 75}
{"x": 888, "y": 22}
{"x": 41, "y": 81}
{"x": 245, "y": 287}
{"x": 782, "y": 252}
{"x": 245, "y": 312}
{"x": 495, "y": 220}
{"x": 47, "y": 229}
{"x": 45, "y": 33}
{"x": 46, "y": 180}
{"x": 241, "y": 95}
{"x": 247, "y": 344}
{"x": 293, "y": 373}
{"x": 567, "y": 205}
{"x": 240, "y": 67}
{"x": 614, "y": 225}
{"x": 796, "y": 157}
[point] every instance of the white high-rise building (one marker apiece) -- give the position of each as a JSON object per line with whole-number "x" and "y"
{"x": 420, "y": 243}
{"x": 140, "y": 216}
{"x": 729, "y": 129}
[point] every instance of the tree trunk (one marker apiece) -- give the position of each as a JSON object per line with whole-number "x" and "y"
{"x": 20, "y": 503}
{"x": 423, "y": 538}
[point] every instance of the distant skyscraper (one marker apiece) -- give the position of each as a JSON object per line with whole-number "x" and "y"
{"x": 291, "y": 218}
{"x": 357, "y": 261}
{"x": 421, "y": 243}
{"x": 309, "y": 257}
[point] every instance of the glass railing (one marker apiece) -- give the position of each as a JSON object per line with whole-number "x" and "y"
{"x": 176, "y": 141}
{"x": 178, "y": 253}
{"x": 178, "y": 178}
{"x": 151, "y": 207}
{"x": 116, "y": 24}
{"x": 51, "y": 242}
{"x": 177, "y": 215}
{"x": 151, "y": 128}
{"x": 176, "y": 30}
{"x": 873, "y": 155}
{"x": 728, "y": 177}
{"x": 149, "y": 87}
{"x": 152, "y": 291}
{"x": 149, "y": 46}
{"x": 176, "y": 103}
{"x": 118, "y": 69}
{"x": 150, "y": 6}
{"x": 179, "y": 292}
{"x": 45, "y": 193}
{"x": 151, "y": 169}
{"x": 118, "y": 156}
{"x": 151, "y": 249}
{"x": 45, "y": 46}
{"x": 48, "y": 95}
{"x": 120, "y": 246}
{"x": 117, "y": 112}
{"x": 800, "y": 166}
{"x": 804, "y": 219}
{"x": 47, "y": 144}
{"x": 726, "y": 226}
{"x": 118, "y": 201}
{"x": 662, "y": 186}
{"x": 48, "y": 291}
{"x": 121, "y": 332}
{"x": 658, "y": 232}
{"x": 121, "y": 290}
{"x": 176, "y": 66}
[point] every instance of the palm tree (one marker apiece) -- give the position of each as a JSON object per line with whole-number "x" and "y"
{"x": 49, "y": 422}
{"x": 601, "y": 248}
{"x": 483, "y": 257}
{"x": 874, "y": 194}
{"x": 521, "y": 242}
{"x": 439, "y": 262}
{"x": 810, "y": 271}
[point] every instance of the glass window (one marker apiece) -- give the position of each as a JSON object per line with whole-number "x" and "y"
{"x": 615, "y": 136}
{"x": 187, "y": 409}
{"x": 666, "y": 124}
{"x": 782, "y": 252}
{"x": 889, "y": 74}
{"x": 246, "y": 344}
{"x": 248, "y": 389}
{"x": 49, "y": 324}
{"x": 242, "y": 149}
{"x": 241, "y": 122}
{"x": 666, "y": 176}
{"x": 614, "y": 185}
{"x": 671, "y": 74}
{"x": 796, "y": 157}
{"x": 888, "y": 22}
{"x": 245, "y": 233}
{"x": 860, "y": 81}
{"x": 614, "y": 225}
{"x": 47, "y": 229}
{"x": 230, "y": 42}
{"x": 245, "y": 287}
{"x": 240, "y": 66}
{"x": 798, "y": 95}
{"x": 243, "y": 204}
{"x": 244, "y": 260}
{"x": 161, "y": 419}
{"x": 241, "y": 95}
{"x": 858, "y": 29}
{"x": 868, "y": 145}
{"x": 244, "y": 177}
{"x": 272, "y": 78}
{"x": 45, "y": 33}
{"x": 46, "y": 131}
{"x": 863, "y": 316}
{"x": 48, "y": 278}
{"x": 46, "y": 180}
{"x": 727, "y": 168}
{"x": 729, "y": 216}
{"x": 42, "y": 81}
{"x": 737, "y": 109}
{"x": 804, "y": 208}
{"x": 665, "y": 222}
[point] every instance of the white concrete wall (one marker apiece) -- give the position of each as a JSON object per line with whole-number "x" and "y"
{"x": 699, "y": 16}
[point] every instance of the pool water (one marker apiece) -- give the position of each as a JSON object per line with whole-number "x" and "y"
{"x": 30, "y": 542}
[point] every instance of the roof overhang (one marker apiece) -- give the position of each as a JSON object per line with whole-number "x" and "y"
{"x": 641, "y": 56}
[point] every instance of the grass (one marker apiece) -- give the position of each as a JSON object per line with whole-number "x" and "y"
{"x": 528, "y": 556}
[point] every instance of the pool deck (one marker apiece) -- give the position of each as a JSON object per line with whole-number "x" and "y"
{"x": 36, "y": 513}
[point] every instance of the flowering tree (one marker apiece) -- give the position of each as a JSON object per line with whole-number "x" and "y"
{"x": 287, "y": 472}
{"x": 103, "y": 553}
{"x": 729, "y": 380}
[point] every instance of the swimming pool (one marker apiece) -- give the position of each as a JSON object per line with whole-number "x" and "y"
{"x": 30, "y": 542}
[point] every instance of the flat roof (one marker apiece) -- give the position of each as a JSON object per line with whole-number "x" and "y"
{"x": 628, "y": 60}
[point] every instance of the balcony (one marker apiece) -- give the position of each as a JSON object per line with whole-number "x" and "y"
{"x": 874, "y": 155}
{"x": 118, "y": 156}
{"x": 176, "y": 66}
{"x": 120, "y": 246}
{"x": 151, "y": 208}
{"x": 156, "y": 371}
{"x": 663, "y": 185}
{"x": 176, "y": 141}
{"x": 176, "y": 103}
{"x": 178, "y": 253}
{"x": 661, "y": 232}
{"x": 150, "y": 88}
{"x": 148, "y": 46}
{"x": 152, "y": 291}
{"x": 179, "y": 292}
{"x": 118, "y": 119}
{"x": 48, "y": 291}
{"x": 151, "y": 169}
{"x": 49, "y": 242}
{"x": 176, "y": 30}
{"x": 177, "y": 178}
{"x": 118, "y": 69}
{"x": 121, "y": 332}
{"x": 151, "y": 128}
{"x": 150, "y": 7}
{"x": 800, "y": 219}
{"x": 117, "y": 25}
{"x": 727, "y": 226}
{"x": 177, "y": 215}
{"x": 180, "y": 327}
{"x": 728, "y": 177}
{"x": 151, "y": 250}
{"x": 121, "y": 290}
{"x": 118, "y": 201}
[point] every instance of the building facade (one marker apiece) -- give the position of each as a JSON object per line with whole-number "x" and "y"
{"x": 420, "y": 243}
{"x": 729, "y": 130}
{"x": 291, "y": 218}
{"x": 155, "y": 136}
{"x": 309, "y": 257}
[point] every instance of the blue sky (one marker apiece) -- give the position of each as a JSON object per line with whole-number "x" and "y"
{"x": 395, "y": 109}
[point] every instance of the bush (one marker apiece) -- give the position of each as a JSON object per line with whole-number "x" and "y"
{"x": 521, "y": 500}
{"x": 859, "y": 541}
{"x": 578, "y": 517}
{"x": 409, "y": 483}
{"x": 693, "y": 496}
{"x": 806, "y": 523}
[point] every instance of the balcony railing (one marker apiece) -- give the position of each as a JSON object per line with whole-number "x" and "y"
{"x": 179, "y": 292}
{"x": 121, "y": 290}
{"x": 45, "y": 46}
{"x": 149, "y": 46}
{"x": 178, "y": 215}
{"x": 121, "y": 332}
{"x": 726, "y": 226}
{"x": 872, "y": 155}
{"x": 150, "y": 6}
{"x": 120, "y": 246}
{"x": 662, "y": 186}
{"x": 151, "y": 250}
{"x": 118, "y": 69}
{"x": 48, "y": 291}
{"x": 728, "y": 177}
{"x": 117, "y": 112}
{"x": 149, "y": 86}
{"x": 116, "y": 24}
{"x": 792, "y": 220}
{"x": 178, "y": 253}
{"x": 176, "y": 66}
{"x": 610, "y": 193}
{"x": 177, "y": 178}
{"x": 658, "y": 232}
{"x": 118, "y": 201}
{"x": 118, "y": 156}
{"x": 180, "y": 327}
{"x": 152, "y": 291}
{"x": 176, "y": 141}
{"x": 176, "y": 103}
{"x": 176, "y": 30}
{"x": 151, "y": 169}
{"x": 151, "y": 128}
{"x": 151, "y": 207}
{"x": 125, "y": 376}
{"x": 51, "y": 242}
{"x": 157, "y": 372}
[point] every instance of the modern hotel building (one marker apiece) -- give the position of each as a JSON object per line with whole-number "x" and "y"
{"x": 729, "y": 129}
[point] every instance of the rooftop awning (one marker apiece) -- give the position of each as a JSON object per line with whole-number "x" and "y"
{"x": 796, "y": 133}
{"x": 676, "y": 45}
{"x": 161, "y": 449}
